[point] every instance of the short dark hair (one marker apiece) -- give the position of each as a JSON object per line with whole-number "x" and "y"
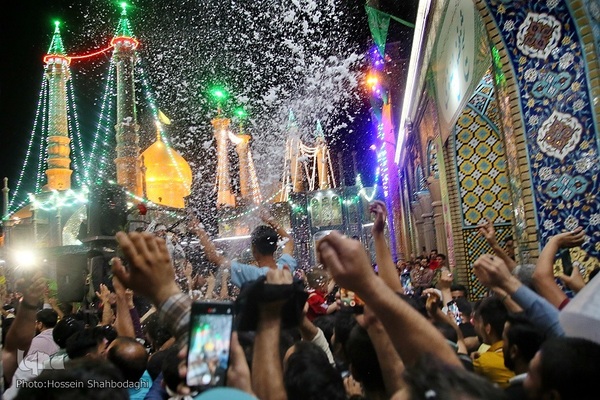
{"x": 429, "y": 378}
{"x": 570, "y": 366}
{"x": 523, "y": 334}
{"x": 308, "y": 375}
{"x": 64, "y": 329}
{"x": 129, "y": 356}
{"x": 81, "y": 343}
{"x": 76, "y": 376}
{"x": 363, "y": 359}
{"x": 326, "y": 323}
{"x": 493, "y": 311}
{"x": 441, "y": 255}
{"x": 47, "y": 317}
{"x": 459, "y": 287}
{"x": 464, "y": 306}
{"x": 170, "y": 368}
{"x": 264, "y": 240}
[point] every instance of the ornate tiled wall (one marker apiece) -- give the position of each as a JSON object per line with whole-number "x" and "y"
{"x": 543, "y": 47}
{"x": 481, "y": 175}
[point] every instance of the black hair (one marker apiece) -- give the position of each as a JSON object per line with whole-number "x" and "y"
{"x": 64, "y": 329}
{"x": 130, "y": 357}
{"x": 459, "y": 287}
{"x": 343, "y": 324}
{"x": 446, "y": 330}
{"x": 326, "y": 323}
{"x": 73, "y": 383}
{"x": 464, "y": 306}
{"x": 431, "y": 379}
{"x": 264, "y": 240}
{"x": 81, "y": 343}
{"x": 493, "y": 311}
{"x": 570, "y": 366}
{"x": 523, "y": 334}
{"x": 47, "y": 317}
{"x": 170, "y": 368}
{"x": 157, "y": 332}
{"x": 309, "y": 376}
{"x": 363, "y": 359}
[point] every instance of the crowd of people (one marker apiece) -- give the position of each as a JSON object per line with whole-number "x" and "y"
{"x": 405, "y": 330}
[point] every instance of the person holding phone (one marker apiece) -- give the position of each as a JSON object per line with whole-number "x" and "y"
{"x": 264, "y": 244}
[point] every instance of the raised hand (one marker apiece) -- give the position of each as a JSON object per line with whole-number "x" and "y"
{"x": 570, "y": 239}
{"x": 575, "y": 281}
{"x": 36, "y": 289}
{"x": 491, "y": 271}
{"x": 378, "y": 208}
{"x": 150, "y": 272}
{"x": 488, "y": 232}
{"x": 103, "y": 294}
{"x": 346, "y": 261}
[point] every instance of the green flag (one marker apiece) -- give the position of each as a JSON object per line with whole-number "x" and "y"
{"x": 379, "y": 23}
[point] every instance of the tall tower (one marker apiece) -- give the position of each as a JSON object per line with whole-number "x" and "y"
{"x": 225, "y": 196}
{"x": 128, "y": 149}
{"x": 58, "y": 170}
{"x": 322, "y": 158}
{"x": 241, "y": 147}
{"x": 294, "y": 149}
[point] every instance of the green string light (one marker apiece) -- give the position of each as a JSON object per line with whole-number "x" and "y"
{"x": 77, "y": 141}
{"x": 42, "y": 151}
{"x": 16, "y": 192}
{"x": 250, "y": 210}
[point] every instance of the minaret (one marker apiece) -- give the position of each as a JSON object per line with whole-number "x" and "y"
{"x": 322, "y": 158}
{"x": 225, "y": 196}
{"x": 128, "y": 149}
{"x": 241, "y": 147}
{"x": 58, "y": 169}
{"x": 294, "y": 148}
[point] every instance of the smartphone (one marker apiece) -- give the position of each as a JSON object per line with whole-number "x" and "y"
{"x": 211, "y": 325}
{"x": 453, "y": 308}
{"x": 406, "y": 284}
{"x": 350, "y": 299}
{"x": 567, "y": 265}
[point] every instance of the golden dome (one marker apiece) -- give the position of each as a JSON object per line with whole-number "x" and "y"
{"x": 168, "y": 176}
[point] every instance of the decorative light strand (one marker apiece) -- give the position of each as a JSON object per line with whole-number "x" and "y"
{"x": 93, "y": 156}
{"x": 43, "y": 148}
{"x": 29, "y": 146}
{"x": 77, "y": 141}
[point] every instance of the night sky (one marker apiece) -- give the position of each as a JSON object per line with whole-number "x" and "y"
{"x": 87, "y": 25}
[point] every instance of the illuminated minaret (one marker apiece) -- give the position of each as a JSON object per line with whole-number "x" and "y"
{"x": 294, "y": 155}
{"x": 322, "y": 158}
{"x": 225, "y": 196}
{"x": 242, "y": 141}
{"x": 58, "y": 169}
{"x": 128, "y": 149}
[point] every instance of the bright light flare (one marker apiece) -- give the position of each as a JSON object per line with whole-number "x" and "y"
{"x": 25, "y": 258}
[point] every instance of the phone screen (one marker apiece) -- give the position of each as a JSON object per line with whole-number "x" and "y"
{"x": 211, "y": 325}
{"x": 453, "y": 308}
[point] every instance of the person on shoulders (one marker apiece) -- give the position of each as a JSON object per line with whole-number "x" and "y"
{"x": 264, "y": 241}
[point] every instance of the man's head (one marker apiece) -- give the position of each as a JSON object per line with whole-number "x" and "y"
{"x": 458, "y": 291}
{"x": 308, "y": 375}
{"x": 564, "y": 368}
{"x": 363, "y": 361}
{"x": 509, "y": 247}
{"x": 264, "y": 241}
{"x": 521, "y": 340}
{"x": 64, "y": 329}
{"x": 489, "y": 318}
{"x": 129, "y": 356}
{"x": 441, "y": 259}
{"x": 85, "y": 343}
{"x": 45, "y": 319}
{"x": 465, "y": 308}
{"x": 431, "y": 379}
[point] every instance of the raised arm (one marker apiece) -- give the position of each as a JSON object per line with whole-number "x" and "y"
{"x": 210, "y": 250}
{"x": 268, "y": 219}
{"x": 123, "y": 320}
{"x": 267, "y": 372}
{"x": 383, "y": 256}
{"x": 543, "y": 275}
{"x": 493, "y": 273}
{"x": 350, "y": 267}
{"x": 489, "y": 234}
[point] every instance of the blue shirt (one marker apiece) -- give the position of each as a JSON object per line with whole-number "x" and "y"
{"x": 242, "y": 273}
{"x": 145, "y": 383}
{"x": 541, "y": 313}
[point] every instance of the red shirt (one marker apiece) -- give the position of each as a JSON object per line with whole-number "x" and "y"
{"x": 316, "y": 305}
